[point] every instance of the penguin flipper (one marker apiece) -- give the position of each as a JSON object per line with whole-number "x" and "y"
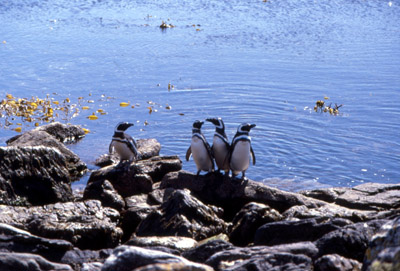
{"x": 252, "y": 155}
{"x": 111, "y": 147}
{"x": 188, "y": 153}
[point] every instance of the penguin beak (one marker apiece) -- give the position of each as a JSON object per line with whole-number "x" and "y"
{"x": 252, "y": 126}
{"x": 213, "y": 121}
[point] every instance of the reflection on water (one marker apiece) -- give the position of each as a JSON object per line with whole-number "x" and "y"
{"x": 245, "y": 61}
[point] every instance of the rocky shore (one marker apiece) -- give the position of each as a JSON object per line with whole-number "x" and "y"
{"x": 152, "y": 215}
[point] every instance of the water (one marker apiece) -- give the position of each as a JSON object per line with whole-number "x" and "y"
{"x": 245, "y": 61}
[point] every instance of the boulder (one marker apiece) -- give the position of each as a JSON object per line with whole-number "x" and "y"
{"x": 175, "y": 267}
{"x": 15, "y": 240}
{"x": 383, "y": 251}
{"x": 147, "y": 148}
{"x": 28, "y": 262}
{"x": 178, "y": 243}
{"x": 204, "y": 251}
{"x": 86, "y": 259}
{"x": 182, "y": 215}
{"x": 285, "y": 232}
{"x": 284, "y": 257}
{"x": 127, "y": 258}
{"x": 33, "y": 175}
{"x": 350, "y": 241}
{"x": 38, "y": 137}
{"x": 138, "y": 177}
{"x": 233, "y": 194}
{"x": 328, "y": 211}
{"x": 248, "y": 220}
{"x": 132, "y": 217}
{"x": 368, "y": 196}
{"x": 86, "y": 225}
{"x": 335, "y": 262}
{"x": 104, "y": 191}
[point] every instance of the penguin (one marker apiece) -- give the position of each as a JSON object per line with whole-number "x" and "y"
{"x": 220, "y": 146}
{"x": 241, "y": 150}
{"x": 123, "y": 143}
{"x": 200, "y": 149}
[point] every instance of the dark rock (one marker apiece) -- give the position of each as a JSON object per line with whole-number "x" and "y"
{"x": 147, "y": 148}
{"x": 174, "y": 267}
{"x": 329, "y": 211}
{"x": 127, "y": 258}
{"x": 104, "y": 191}
{"x": 350, "y": 241}
{"x": 86, "y": 225}
{"x": 334, "y": 262}
{"x": 177, "y": 243}
{"x": 232, "y": 194}
{"x": 132, "y": 216}
{"x": 34, "y": 138}
{"x": 284, "y": 232}
{"x": 383, "y": 251}
{"x": 182, "y": 215}
{"x": 204, "y": 251}
{"x": 15, "y": 240}
{"x": 248, "y": 220}
{"x": 33, "y": 175}
{"x": 259, "y": 258}
{"x": 368, "y": 196}
{"x": 62, "y": 132}
{"x": 28, "y": 262}
{"x": 79, "y": 258}
{"x": 138, "y": 177}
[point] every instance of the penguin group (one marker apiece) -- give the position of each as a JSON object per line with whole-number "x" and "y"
{"x": 234, "y": 157}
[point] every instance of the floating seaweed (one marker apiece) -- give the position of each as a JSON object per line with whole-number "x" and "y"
{"x": 321, "y": 107}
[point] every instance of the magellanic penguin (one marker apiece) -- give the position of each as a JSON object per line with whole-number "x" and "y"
{"x": 200, "y": 149}
{"x": 239, "y": 158}
{"x": 220, "y": 146}
{"x": 123, "y": 143}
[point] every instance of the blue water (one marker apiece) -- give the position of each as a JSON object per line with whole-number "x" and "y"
{"x": 245, "y": 61}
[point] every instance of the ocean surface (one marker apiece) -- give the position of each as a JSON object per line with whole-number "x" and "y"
{"x": 260, "y": 62}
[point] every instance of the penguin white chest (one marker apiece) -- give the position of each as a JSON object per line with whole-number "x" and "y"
{"x": 200, "y": 155}
{"x": 240, "y": 159}
{"x": 123, "y": 151}
{"x": 220, "y": 152}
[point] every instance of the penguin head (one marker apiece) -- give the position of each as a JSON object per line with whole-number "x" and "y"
{"x": 197, "y": 124}
{"x": 245, "y": 127}
{"x": 122, "y": 126}
{"x": 217, "y": 122}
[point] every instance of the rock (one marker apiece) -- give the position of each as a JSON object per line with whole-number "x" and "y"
{"x": 28, "y": 262}
{"x": 138, "y": 177}
{"x": 335, "y": 262}
{"x": 104, "y": 191}
{"x": 248, "y": 220}
{"x": 132, "y": 217}
{"x": 147, "y": 148}
{"x": 182, "y": 215}
{"x": 62, "y": 132}
{"x": 232, "y": 195}
{"x": 259, "y": 258}
{"x": 37, "y": 137}
{"x": 33, "y": 175}
{"x": 368, "y": 196}
{"x": 86, "y": 259}
{"x": 178, "y": 243}
{"x": 350, "y": 241}
{"x": 285, "y": 232}
{"x": 15, "y": 240}
{"x": 204, "y": 251}
{"x": 86, "y": 225}
{"x": 175, "y": 267}
{"x": 127, "y": 258}
{"x": 329, "y": 211}
{"x": 383, "y": 251}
